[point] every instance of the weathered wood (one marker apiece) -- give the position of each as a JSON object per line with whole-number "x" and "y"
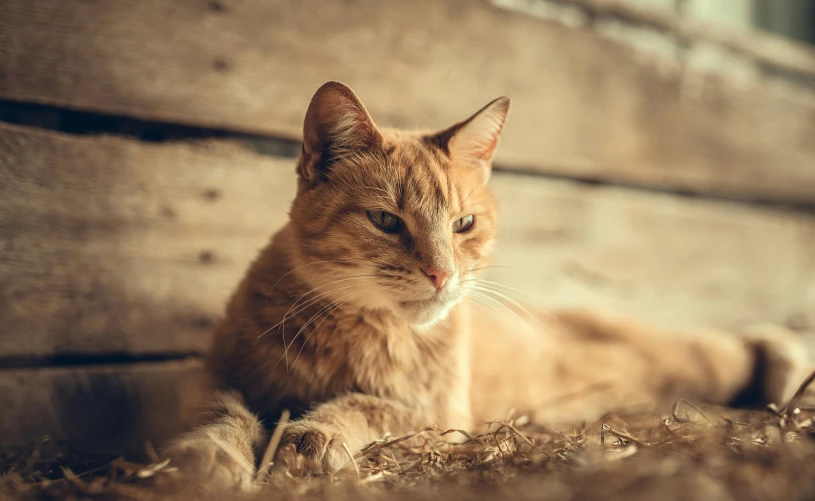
{"x": 774, "y": 52}
{"x": 99, "y": 408}
{"x": 584, "y": 106}
{"x": 109, "y": 245}
{"x": 673, "y": 261}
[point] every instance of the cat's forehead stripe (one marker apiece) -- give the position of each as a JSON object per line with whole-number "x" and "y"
{"x": 425, "y": 180}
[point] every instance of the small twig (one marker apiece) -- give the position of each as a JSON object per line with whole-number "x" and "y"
{"x": 237, "y": 456}
{"x": 271, "y": 448}
{"x": 351, "y": 457}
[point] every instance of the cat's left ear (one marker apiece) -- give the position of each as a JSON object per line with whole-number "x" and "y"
{"x": 475, "y": 140}
{"x": 336, "y": 124}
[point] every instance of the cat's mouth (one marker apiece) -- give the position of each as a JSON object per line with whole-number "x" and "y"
{"x": 429, "y": 310}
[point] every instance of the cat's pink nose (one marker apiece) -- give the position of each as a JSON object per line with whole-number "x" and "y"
{"x": 437, "y": 276}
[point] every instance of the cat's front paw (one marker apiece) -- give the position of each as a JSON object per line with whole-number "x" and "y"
{"x": 215, "y": 468}
{"x": 318, "y": 448}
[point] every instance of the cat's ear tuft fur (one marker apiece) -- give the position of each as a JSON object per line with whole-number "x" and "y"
{"x": 336, "y": 124}
{"x": 475, "y": 140}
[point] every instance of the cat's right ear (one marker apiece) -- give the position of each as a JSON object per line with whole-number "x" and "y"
{"x": 475, "y": 140}
{"x": 336, "y": 124}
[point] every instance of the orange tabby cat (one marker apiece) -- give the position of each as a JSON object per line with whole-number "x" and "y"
{"x": 356, "y": 316}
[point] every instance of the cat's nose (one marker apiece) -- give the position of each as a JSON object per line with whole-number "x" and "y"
{"x": 437, "y": 276}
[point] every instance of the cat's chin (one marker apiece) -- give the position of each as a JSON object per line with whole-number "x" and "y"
{"x": 424, "y": 314}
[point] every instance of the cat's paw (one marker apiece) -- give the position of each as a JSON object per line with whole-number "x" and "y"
{"x": 783, "y": 361}
{"x": 210, "y": 464}
{"x": 318, "y": 448}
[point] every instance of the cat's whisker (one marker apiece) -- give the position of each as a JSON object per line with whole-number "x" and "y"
{"x": 325, "y": 261}
{"x": 496, "y": 284}
{"x": 469, "y": 309}
{"x": 299, "y": 298}
{"x": 293, "y": 270}
{"x": 514, "y": 290}
{"x": 496, "y": 301}
{"x": 288, "y": 346}
{"x": 505, "y": 294}
{"x": 329, "y": 304}
{"x": 503, "y": 297}
{"x": 489, "y": 267}
{"x": 337, "y": 304}
{"x": 311, "y": 301}
{"x": 289, "y": 314}
{"x": 539, "y": 324}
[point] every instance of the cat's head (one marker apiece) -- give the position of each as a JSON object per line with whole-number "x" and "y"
{"x": 393, "y": 220}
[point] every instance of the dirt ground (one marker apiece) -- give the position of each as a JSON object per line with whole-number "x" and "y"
{"x": 685, "y": 451}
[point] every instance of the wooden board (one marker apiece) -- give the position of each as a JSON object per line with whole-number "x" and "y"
{"x": 673, "y": 261}
{"x": 115, "y": 246}
{"x": 585, "y": 106}
{"x": 109, "y": 245}
{"x": 99, "y": 408}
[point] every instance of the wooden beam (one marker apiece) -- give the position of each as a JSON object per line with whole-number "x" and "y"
{"x": 110, "y": 245}
{"x": 585, "y": 106}
{"x": 107, "y": 409}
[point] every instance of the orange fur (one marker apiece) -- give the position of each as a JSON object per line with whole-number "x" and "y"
{"x": 339, "y": 321}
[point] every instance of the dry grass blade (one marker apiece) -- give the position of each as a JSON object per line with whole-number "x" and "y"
{"x": 793, "y": 403}
{"x": 678, "y": 419}
{"x": 377, "y": 446}
{"x": 740, "y": 454}
{"x": 234, "y": 454}
{"x": 351, "y": 457}
{"x": 470, "y": 437}
{"x": 620, "y": 435}
{"x": 271, "y": 448}
{"x": 503, "y": 424}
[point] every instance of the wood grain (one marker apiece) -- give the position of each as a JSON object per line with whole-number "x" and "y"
{"x": 584, "y": 107}
{"x": 114, "y": 246}
{"x": 100, "y": 408}
{"x": 109, "y": 245}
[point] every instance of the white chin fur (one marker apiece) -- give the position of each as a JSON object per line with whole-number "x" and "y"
{"x": 420, "y": 317}
{"x": 426, "y": 319}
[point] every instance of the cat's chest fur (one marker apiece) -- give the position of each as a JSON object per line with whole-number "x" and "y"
{"x": 314, "y": 355}
{"x": 362, "y": 352}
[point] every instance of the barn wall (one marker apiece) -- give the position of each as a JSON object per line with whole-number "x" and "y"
{"x": 683, "y": 196}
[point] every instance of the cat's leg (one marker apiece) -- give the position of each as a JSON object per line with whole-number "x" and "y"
{"x": 762, "y": 365}
{"x": 221, "y": 450}
{"x": 352, "y": 421}
{"x": 582, "y": 364}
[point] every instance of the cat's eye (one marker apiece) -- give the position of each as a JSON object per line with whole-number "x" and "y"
{"x": 385, "y": 221}
{"x": 464, "y": 224}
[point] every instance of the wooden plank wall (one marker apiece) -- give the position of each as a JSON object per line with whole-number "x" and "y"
{"x": 116, "y": 249}
{"x": 584, "y": 107}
